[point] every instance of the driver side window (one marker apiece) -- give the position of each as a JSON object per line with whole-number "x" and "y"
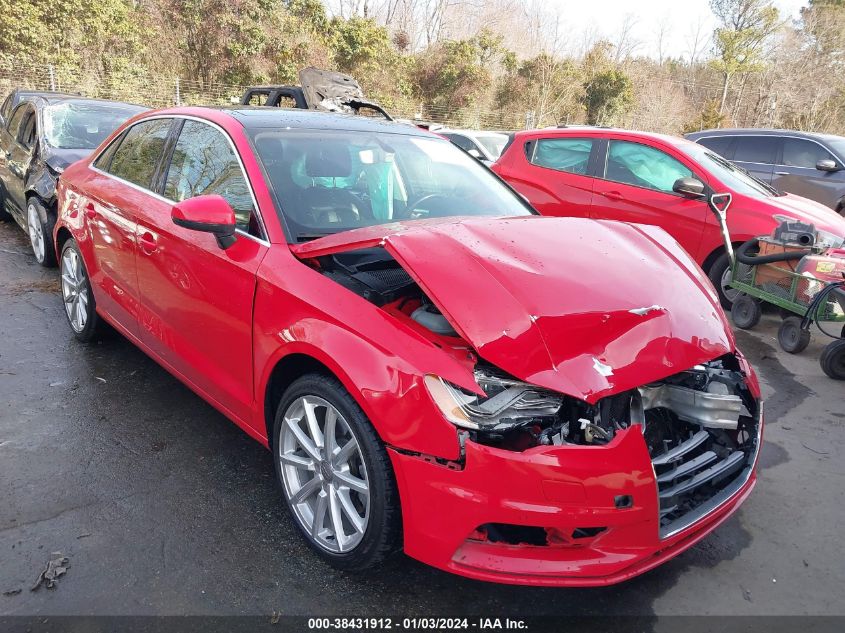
{"x": 643, "y": 166}
{"x": 204, "y": 163}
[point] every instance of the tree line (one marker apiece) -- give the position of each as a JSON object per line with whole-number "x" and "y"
{"x": 501, "y": 63}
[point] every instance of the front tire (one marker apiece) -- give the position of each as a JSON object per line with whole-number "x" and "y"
{"x": 720, "y": 277}
{"x": 39, "y": 226}
{"x": 832, "y": 360}
{"x": 78, "y": 298}
{"x": 335, "y": 475}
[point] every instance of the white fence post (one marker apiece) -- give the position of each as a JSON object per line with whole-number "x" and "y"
{"x": 52, "y": 74}
{"x": 178, "y": 93}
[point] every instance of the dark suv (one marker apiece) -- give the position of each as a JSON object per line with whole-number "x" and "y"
{"x": 804, "y": 163}
{"x": 41, "y": 133}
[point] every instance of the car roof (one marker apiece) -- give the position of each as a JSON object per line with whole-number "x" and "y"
{"x": 761, "y": 132}
{"x": 573, "y": 130}
{"x": 449, "y": 130}
{"x": 258, "y": 117}
{"x": 52, "y": 98}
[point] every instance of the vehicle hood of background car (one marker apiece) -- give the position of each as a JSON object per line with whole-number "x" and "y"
{"x": 587, "y": 308}
{"x": 806, "y": 210}
{"x": 59, "y": 159}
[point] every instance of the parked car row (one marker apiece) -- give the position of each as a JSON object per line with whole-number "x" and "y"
{"x": 435, "y": 366}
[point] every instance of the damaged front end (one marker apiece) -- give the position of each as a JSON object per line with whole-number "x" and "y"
{"x": 701, "y": 428}
{"x": 597, "y": 438}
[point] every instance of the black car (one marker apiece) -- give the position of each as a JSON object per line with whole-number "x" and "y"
{"x": 807, "y": 164}
{"x": 41, "y": 133}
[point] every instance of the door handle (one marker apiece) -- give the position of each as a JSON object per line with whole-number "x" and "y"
{"x": 90, "y": 211}
{"x": 147, "y": 242}
{"x": 612, "y": 195}
{"x": 781, "y": 173}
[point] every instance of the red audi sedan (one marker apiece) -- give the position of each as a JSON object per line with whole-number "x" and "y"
{"x": 433, "y": 366}
{"x": 639, "y": 177}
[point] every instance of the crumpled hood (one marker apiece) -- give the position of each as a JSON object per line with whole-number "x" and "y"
{"x": 584, "y": 307}
{"x": 59, "y": 159}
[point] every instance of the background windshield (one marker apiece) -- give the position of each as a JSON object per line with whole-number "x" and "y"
{"x": 493, "y": 143}
{"x": 329, "y": 181}
{"x": 733, "y": 177}
{"x": 83, "y": 125}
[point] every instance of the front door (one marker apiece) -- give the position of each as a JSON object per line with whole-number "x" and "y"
{"x": 196, "y": 297}
{"x": 637, "y": 187}
{"x": 797, "y": 172}
{"x": 20, "y": 153}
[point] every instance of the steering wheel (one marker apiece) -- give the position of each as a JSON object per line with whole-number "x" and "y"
{"x": 426, "y": 198}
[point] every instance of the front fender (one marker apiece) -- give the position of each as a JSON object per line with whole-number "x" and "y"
{"x": 42, "y": 182}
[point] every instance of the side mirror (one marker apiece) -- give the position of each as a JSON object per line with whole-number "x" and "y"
{"x": 827, "y": 165}
{"x": 689, "y": 187}
{"x": 209, "y": 214}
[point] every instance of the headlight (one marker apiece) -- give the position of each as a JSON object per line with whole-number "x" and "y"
{"x": 507, "y": 402}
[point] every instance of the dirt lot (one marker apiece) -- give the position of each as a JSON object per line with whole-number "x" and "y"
{"x": 165, "y": 507}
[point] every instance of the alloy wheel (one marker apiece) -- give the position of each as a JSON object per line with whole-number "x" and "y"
{"x": 325, "y": 478}
{"x": 36, "y": 232}
{"x": 730, "y": 293}
{"x": 74, "y": 290}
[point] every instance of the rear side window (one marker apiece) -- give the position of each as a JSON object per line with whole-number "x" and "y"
{"x": 800, "y": 153}
{"x": 139, "y": 153}
{"x": 719, "y": 144}
{"x": 571, "y": 155}
{"x": 643, "y": 166}
{"x": 756, "y": 149}
{"x": 203, "y": 163}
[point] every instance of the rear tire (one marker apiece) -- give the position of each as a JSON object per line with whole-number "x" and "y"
{"x": 792, "y": 338}
{"x": 746, "y": 312}
{"x": 40, "y": 222}
{"x": 720, "y": 277}
{"x": 832, "y": 360}
{"x": 338, "y": 484}
{"x": 78, "y": 298}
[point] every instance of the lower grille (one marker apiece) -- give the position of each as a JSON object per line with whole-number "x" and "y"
{"x": 698, "y": 474}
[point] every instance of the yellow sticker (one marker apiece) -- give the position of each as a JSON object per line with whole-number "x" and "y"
{"x": 825, "y": 267}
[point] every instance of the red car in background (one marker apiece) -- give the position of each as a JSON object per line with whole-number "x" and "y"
{"x": 647, "y": 178}
{"x": 434, "y": 366}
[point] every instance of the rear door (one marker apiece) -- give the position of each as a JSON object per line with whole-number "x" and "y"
{"x": 8, "y": 140}
{"x": 796, "y": 172}
{"x": 757, "y": 154}
{"x": 20, "y": 152}
{"x": 557, "y": 176}
{"x": 635, "y": 185}
{"x": 197, "y": 298}
{"x": 120, "y": 186}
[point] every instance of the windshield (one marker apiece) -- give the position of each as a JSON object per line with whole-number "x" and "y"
{"x": 83, "y": 125}
{"x": 330, "y": 181}
{"x": 730, "y": 175}
{"x": 838, "y": 145}
{"x": 493, "y": 143}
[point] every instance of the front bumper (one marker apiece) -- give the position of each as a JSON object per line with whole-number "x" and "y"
{"x": 571, "y": 491}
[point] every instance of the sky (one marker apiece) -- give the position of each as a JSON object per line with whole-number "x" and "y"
{"x": 681, "y": 17}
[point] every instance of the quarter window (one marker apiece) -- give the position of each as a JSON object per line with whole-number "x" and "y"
{"x": 139, "y": 153}
{"x": 643, "y": 166}
{"x": 26, "y": 136}
{"x": 800, "y": 153}
{"x": 571, "y": 155}
{"x": 204, "y": 163}
{"x": 756, "y": 149}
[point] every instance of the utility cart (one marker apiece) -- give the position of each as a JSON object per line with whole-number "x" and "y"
{"x": 803, "y": 274}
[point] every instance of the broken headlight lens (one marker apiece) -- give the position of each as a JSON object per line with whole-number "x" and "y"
{"x": 507, "y": 402}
